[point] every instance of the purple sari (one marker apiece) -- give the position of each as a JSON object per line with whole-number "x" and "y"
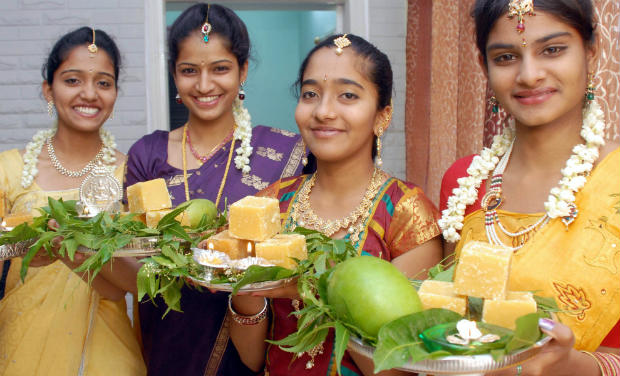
{"x": 196, "y": 342}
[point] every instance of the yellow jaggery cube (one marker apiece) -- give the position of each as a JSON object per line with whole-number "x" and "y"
{"x": 140, "y": 217}
{"x": 148, "y": 195}
{"x": 504, "y": 312}
{"x": 154, "y": 216}
{"x": 3, "y": 204}
{"x": 440, "y": 294}
{"x": 254, "y": 218}
{"x": 482, "y": 270}
{"x": 233, "y": 247}
{"x": 280, "y": 249}
{"x": 16, "y": 219}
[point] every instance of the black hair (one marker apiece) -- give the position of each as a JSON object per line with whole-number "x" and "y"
{"x": 378, "y": 71}
{"x": 225, "y": 23}
{"x": 80, "y": 37}
{"x": 576, "y": 13}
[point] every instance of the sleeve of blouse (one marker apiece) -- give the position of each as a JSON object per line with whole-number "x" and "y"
{"x": 135, "y": 169}
{"x": 413, "y": 223}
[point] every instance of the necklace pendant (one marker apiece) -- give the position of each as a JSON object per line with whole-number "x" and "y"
{"x": 570, "y": 218}
{"x": 491, "y": 200}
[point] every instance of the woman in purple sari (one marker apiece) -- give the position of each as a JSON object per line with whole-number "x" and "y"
{"x": 216, "y": 155}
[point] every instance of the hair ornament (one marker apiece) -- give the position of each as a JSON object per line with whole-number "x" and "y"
{"x": 206, "y": 27}
{"x": 92, "y": 48}
{"x": 520, "y": 8}
{"x": 341, "y": 42}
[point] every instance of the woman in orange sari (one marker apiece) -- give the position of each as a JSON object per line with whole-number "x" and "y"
{"x": 553, "y": 192}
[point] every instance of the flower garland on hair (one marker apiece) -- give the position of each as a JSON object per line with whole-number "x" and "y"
{"x": 34, "y": 147}
{"x": 244, "y": 134}
{"x": 561, "y": 200}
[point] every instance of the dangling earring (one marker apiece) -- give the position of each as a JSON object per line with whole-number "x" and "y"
{"x": 379, "y": 161}
{"x": 241, "y": 91}
{"x": 304, "y": 159}
{"x": 591, "y": 88}
{"x": 178, "y": 99}
{"x": 111, "y": 117}
{"x": 50, "y": 108}
{"x": 493, "y": 101}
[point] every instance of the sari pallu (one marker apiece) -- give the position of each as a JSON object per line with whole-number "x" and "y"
{"x": 401, "y": 219}
{"x": 580, "y": 266}
{"x": 196, "y": 341}
{"x": 54, "y": 323}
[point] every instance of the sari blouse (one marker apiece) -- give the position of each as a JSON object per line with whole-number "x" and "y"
{"x": 196, "y": 341}
{"x": 578, "y": 265}
{"x": 401, "y": 218}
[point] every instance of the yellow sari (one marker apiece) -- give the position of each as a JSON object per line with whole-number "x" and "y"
{"x": 54, "y": 323}
{"x": 578, "y": 266}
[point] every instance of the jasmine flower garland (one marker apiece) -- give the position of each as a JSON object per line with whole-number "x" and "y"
{"x": 560, "y": 199}
{"x": 244, "y": 134}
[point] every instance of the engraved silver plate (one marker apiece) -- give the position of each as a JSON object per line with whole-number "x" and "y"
{"x": 9, "y": 251}
{"x": 137, "y": 247}
{"x": 458, "y": 364}
{"x": 252, "y": 287}
{"x": 99, "y": 192}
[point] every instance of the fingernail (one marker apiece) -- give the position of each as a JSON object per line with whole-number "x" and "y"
{"x": 546, "y": 324}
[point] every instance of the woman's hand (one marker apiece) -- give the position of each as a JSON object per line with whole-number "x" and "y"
{"x": 557, "y": 358}
{"x": 288, "y": 291}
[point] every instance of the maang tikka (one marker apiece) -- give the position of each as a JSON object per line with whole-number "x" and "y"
{"x": 206, "y": 27}
{"x": 520, "y": 8}
{"x": 341, "y": 42}
{"x": 92, "y": 48}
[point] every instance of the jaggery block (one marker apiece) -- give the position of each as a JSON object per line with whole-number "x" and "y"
{"x": 482, "y": 271}
{"x": 140, "y": 217}
{"x": 16, "y": 219}
{"x": 279, "y": 249}
{"x": 154, "y": 216}
{"x": 148, "y": 195}
{"x": 3, "y": 204}
{"x": 504, "y": 312}
{"x": 439, "y": 294}
{"x": 233, "y": 247}
{"x": 254, "y": 218}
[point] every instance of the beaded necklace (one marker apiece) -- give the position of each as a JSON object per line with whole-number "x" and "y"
{"x": 204, "y": 158}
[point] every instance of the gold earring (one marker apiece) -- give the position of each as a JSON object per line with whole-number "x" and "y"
{"x": 591, "y": 88}
{"x": 304, "y": 159}
{"x": 493, "y": 101}
{"x": 379, "y": 160}
{"x": 111, "y": 117}
{"x": 50, "y": 108}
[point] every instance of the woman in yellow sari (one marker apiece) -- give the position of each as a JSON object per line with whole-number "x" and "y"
{"x": 53, "y": 323}
{"x": 548, "y": 186}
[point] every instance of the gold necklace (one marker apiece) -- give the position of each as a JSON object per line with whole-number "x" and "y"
{"x": 186, "y": 184}
{"x": 304, "y": 216}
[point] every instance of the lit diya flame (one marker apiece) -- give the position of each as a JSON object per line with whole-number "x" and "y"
{"x": 467, "y": 332}
{"x": 210, "y": 246}
{"x": 249, "y": 248}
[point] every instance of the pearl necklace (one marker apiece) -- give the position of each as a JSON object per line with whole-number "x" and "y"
{"x": 304, "y": 216}
{"x": 71, "y": 173}
{"x": 561, "y": 200}
{"x": 35, "y": 146}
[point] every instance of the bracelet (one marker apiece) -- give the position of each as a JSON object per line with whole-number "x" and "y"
{"x": 608, "y": 364}
{"x": 248, "y": 320}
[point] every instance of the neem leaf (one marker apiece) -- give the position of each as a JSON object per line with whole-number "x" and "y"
{"x": 170, "y": 218}
{"x": 20, "y": 233}
{"x": 398, "y": 341}
{"x": 341, "y": 341}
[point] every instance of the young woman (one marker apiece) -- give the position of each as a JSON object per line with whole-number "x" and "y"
{"x": 216, "y": 155}
{"x": 54, "y": 323}
{"x": 553, "y": 175}
{"x": 344, "y": 107}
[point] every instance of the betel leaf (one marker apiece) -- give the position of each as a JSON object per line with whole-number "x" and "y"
{"x": 399, "y": 340}
{"x": 257, "y": 273}
{"x": 526, "y": 332}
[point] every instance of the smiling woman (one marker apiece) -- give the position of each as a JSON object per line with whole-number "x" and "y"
{"x": 54, "y": 323}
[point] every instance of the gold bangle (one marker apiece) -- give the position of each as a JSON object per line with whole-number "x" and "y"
{"x": 248, "y": 320}
{"x": 598, "y": 362}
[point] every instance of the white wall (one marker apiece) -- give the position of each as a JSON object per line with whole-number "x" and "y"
{"x": 28, "y": 30}
{"x": 388, "y": 31}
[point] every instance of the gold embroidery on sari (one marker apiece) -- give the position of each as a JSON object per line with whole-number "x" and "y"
{"x": 269, "y": 153}
{"x": 294, "y": 159}
{"x": 175, "y": 180}
{"x": 606, "y": 248}
{"x": 283, "y": 132}
{"x": 572, "y": 299}
{"x": 254, "y": 181}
